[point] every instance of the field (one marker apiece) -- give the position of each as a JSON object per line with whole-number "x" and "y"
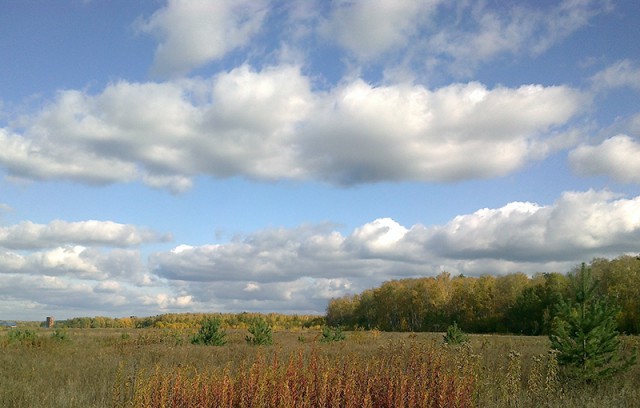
{"x": 159, "y": 367}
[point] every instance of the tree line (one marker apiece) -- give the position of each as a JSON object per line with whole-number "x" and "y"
{"x": 194, "y": 320}
{"x": 512, "y": 303}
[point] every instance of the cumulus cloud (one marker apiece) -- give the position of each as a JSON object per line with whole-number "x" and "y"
{"x": 193, "y": 33}
{"x": 165, "y": 133}
{"x": 580, "y": 225}
{"x": 35, "y": 158}
{"x": 279, "y": 265}
{"x": 38, "y": 295}
{"x": 304, "y": 264}
{"x": 462, "y": 131}
{"x": 299, "y": 269}
{"x": 28, "y": 235}
{"x": 77, "y": 262}
{"x": 303, "y": 295}
{"x": 270, "y": 125}
{"x": 616, "y": 157}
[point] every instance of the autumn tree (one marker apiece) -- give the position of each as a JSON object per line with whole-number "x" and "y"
{"x": 620, "y": 279}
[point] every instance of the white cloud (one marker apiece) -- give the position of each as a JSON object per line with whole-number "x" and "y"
{"x": 269, "y": 125}
{"x": 165, "y": 301}
{"x": 364, "y": 134}
{"x": 108, "y": 287}
{"x": 286, "y": 255}
{"x": 620, "y": 74}
{"x": 459, "y": 35}
{"x": 75, "y": 261}
{"x": 476, "y": 33}
{"x": 616, "y": 157}
{"x": 165, "y": 133}
{"x": 40, "y": 159}
{"x": 195, "y": 32}
{"x": 370, "y": 28}
{"x": 251, "y": 287}
{"x": 78, "y": 262}
{"x": 299, "y": 269}
{"x": 27, "y": 235}
{"x": 519, "y": 236}
{"x": 380, "y": 235}
{"x": 579, "y": 226}
{"x": 302, "y": 295}
{"x": 37, "y": 296}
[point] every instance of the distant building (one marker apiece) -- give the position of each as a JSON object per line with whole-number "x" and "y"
{"x": 4, "y": 323}
{"x": 50, "y": 322}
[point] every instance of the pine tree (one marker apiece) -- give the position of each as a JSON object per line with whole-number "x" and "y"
{"x": 455, "y": 335}
{"x": 261, "y": 333}
{"x": 210, "y": 333}
{"x": 585, "y": 333}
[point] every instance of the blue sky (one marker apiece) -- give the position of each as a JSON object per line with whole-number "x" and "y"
{"x": 267, "y": 156}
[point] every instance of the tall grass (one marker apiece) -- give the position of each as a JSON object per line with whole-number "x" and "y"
{"x": 143, "y": 367}
{"x": 402, "y": 375}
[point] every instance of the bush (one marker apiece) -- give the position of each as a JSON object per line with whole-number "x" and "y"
{"x": 60, "y": 335}
{"x": 210, "y": 333}
{"x": 455, "y": 335}
{"x": 25, "y": 337}
{"x": 331, "y": 334}
{"x": 261, "y": 333}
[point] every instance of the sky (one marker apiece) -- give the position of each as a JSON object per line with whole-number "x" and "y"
{"x": 269, "y": 155}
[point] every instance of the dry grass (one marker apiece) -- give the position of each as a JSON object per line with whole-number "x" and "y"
{"x": 121, "y": 367}
{"x": 403, "y": 375}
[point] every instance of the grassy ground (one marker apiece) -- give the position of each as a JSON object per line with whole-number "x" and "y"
{"x": 92, "y": 367}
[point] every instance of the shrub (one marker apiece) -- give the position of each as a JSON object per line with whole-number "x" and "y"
{"x": 23, "y": 336}
{"x": 261, "y": 333}
{"x": 60, "y": 335}
{"x": 455, "y": 335}
{"x": 210, "y": 333}
{"x": 331, "y": 334}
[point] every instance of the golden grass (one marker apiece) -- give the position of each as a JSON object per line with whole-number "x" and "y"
{"x": 403, "y": 375}
{"x": 143, "y": 367}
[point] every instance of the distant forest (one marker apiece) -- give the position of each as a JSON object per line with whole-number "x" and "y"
{"x": 193, "y": 320}
{"x": 513, "y": 303}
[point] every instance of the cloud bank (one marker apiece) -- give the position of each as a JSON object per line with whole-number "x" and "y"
{"x": 271, "y": 125}
{"x": 299, "y": 269}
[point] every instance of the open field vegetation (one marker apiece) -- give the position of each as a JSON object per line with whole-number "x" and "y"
{"x": 153, "y": 367}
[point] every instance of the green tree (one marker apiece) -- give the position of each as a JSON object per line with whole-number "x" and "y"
{"x": 332, "y": 334}
{"x": 585, "y": 334}
{"x": 526, "y": 316}
{"x": 261, "y": 333}
{"x": 210, "y": 333}
{"x": 455, "y": 335}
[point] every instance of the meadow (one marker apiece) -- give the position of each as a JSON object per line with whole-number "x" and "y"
{"x": 160, "y": 367}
